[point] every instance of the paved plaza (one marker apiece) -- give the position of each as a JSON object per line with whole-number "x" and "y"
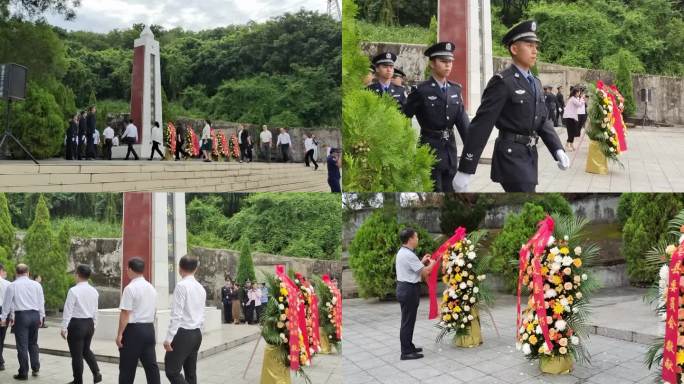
{"x": 221, "y": 368}
{"x": 371, "y": 348}
{"x": 651, "y": 164}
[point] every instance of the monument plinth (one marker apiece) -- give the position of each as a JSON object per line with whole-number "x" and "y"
{"x": 154, "y": 229}
{"x": 146, "y": 96}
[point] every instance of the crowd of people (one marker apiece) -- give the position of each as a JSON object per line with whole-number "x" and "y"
{"x": 243, "y": 303}
{"x": 22, "y": 308}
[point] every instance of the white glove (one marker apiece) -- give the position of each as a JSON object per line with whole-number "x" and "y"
{"x": 460, "y": 181}
{"x": 563, "y": 160}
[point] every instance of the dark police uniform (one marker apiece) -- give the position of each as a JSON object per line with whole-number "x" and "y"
{"x": 518, "y": 109}
{"x": 438, "y": 110}
{"x": 394, "y": 91}
{"x": 551, "y": 106}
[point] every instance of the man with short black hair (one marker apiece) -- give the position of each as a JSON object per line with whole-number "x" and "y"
{"x": 78, "y": 324}
{"x": 130, "y": 137}
{"x": 184, "y": 336}
{"x": 410, "y": 270}
{"x": 24, "y": 297}
{"x": 136, "y": 336}
{"x": 3, "y": 330}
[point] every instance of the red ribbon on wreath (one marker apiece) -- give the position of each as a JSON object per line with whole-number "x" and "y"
{"x": 292, "y": 314}
{"x": 459, "y": 234}
{"x": 670, "y": 367}
{"x": 338, "y": 305}
{"x": 302, "y": 316}
{"x": 538, "y": 243}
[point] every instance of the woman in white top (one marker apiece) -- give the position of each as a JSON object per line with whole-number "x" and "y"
{"x": 206, "y": 141}
{"x": 253, "y": 296}
{"x": 570, "y": 117}
{"x": 309, "y": 147}
{"x": 157, "y": 138}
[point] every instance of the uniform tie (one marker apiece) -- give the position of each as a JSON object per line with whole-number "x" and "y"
{"x": 530, "y": 79}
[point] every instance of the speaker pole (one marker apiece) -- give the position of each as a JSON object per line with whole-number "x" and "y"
{"x": 8, "y": 133}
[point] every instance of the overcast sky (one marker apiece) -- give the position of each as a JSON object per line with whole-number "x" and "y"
{"x": 105, "y": 15}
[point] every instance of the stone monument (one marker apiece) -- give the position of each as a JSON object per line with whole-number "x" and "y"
{"x": 146, "y": 96}
{"x": 154, "y": 229}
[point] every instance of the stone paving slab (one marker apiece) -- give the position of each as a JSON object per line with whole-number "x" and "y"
{"x": 222, "y": 368}
{"x": 371, "y": 350}
{"x": 651, "y": 164}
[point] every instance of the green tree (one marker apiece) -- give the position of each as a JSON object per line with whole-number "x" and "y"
{"x": 645, "y": 228}
{"x": 245, "y": 270}
{"x": 45, "y": 256}
{"x": 517, "y": 229}
{"x": 623, "y": 81}
{"x": 92, "y": 99}
{"x": 466, "y": 210}
{"x": 372, "y": 252}
{"x": 7, "y": 237}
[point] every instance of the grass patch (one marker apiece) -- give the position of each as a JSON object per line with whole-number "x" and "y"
{"x": 393, "y": 34}
{"x": 87, "y": 228}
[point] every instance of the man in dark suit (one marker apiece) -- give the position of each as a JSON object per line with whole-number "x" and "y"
{"x": 512, "y": 100}
{"x": 90, "y": 132}
{"x": 437, "y": 103}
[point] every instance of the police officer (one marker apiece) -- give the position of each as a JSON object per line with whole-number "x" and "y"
{"x": 513, "y": 100}
{"x": 438, "y": 105}
{"x": 384, "y": 70}
{"x": 561, "y": 105}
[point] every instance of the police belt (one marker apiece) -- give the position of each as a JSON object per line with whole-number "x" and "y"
{"x": 444, "y": 134}
{"x": 528, "y": 140}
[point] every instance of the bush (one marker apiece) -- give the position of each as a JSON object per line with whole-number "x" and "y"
{"x": 553, "y": 203}
{"x": 45, "y": 256}
{"x": 394, "y": 34}
{"x": 624, "y": 84}
{"x": 292, "y": 224}
{"x": 245, "y": 271}
{"x": 625, "y": 207}
{"x": 7, "y": 233}
{"x": 644, "y": 229}
{"x": 467, "y": 210}
{"x": 372, "y": 253}
{"x": 516, "y": 231}
{"x": 87, "y": 228}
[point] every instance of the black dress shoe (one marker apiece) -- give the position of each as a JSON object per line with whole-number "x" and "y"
{"x": 35, "y": 373}
{"x": 20, "y": 377}
{"x": 412, "y": 356}
{"x": 98, "y": 377}
{"x": 2, "y": 367}
{"x": 418, "y": 350}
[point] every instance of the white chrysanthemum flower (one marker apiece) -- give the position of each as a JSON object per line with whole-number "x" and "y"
{"x": 670, "y": 249}
{"x": 472, "y": 300}
{"x": 281, "y": 307}
{"x": 460, "y": 262}
{"x": 466, "y": 308}
{"x": 518, "y": 346}
{"x": 558, "y": 259}
{"x": 469, "y": 265}
{"x": 564, "y": 302}
{"x": 465, "y": 297}
{"x": 471, "y": 255}
{"x": 465, "y": 274}
{"x": 521, "y": 330}
{"x": 554, "y": 251}
{"x": 574, "y": 340}
{"x": 584, "y": 276}
{"x": 462, "y": 285}
{"x": 567, "y": 261}
{"x": 525, "y": 336}
{"x": 555, "y": 267}
{"x": 560, "y": 324}
{"x": 578, "y": 250}
{"x": 578, "y": 295}
{"x": 550, "y": 293}
{"x": 469, "y": 283}
{"x": 526, "y": 349}
{"x": 551, "y": 240}
{"x": 538, "y": 330}
{"x": 476, "y": 290}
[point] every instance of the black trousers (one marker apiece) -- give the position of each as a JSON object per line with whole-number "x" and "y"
{"x": 334, "y": 185}
{"x": 79, "y": 335}
{"x": 70, "y": 149}
{"x": 138, "y": 344}
{"x": 519, "y": 187}
{"x": 310, "y": 157}
{"x": 130, "y": 141}
{"x": 3, "y": 332}
{"x": 259, "y": 310}
{"x": 572, "y": 127}
{"x": 185, "y": 346}
{"x": 581, "y": 120}
{"x": 90, "y": 146}
{"x": 80, "y": 148}
{"x": 155, "y": 147}
{"x": 108, "y": 149}
{"x": 249, "y": 315}
{"x": 26, "y": 324}
{"x": 442, "y": 179}
{"x": 227, "y": 312}
{"x": 285, "y": 151}
{"x": 179, "y": 150}
{"x": 408, "y": 295}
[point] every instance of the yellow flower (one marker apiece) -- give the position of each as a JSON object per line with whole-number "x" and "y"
{"x": 556, "y": 280}
{"x": 564, "y": 250}
{"x": 446, "y": 317}
{"x": 557, "y": 308}
{"x": 577, "y": 262}
{"x": 680, "y": 357}
{"x": 533, "y": 339}
{"x": 458, "y": 277}
{"x": 445, "y": 279}
{"x": 283, "y": 291}
{"x": 280, "y": 299}
{"x": 457, "y": 309}
{"x": 545, "y": 271}
{"x": 530, "y": 327}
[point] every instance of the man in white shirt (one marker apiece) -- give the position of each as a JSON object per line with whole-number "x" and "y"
{"x": 3, "y": 330}
{"x": 284, "y": 144}
{"x": 310, "y": 148}
{"x": 78, "y": 324}
{"x": 24, "y": 298}
{"x": 266, "y": 138}
{"x": 130, "y": 137}
{"x": 136, "y": 337}
{"x": 184, "y": 337}
{"x": 108, "y": 134}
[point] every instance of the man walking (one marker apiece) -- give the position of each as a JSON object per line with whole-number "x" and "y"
{"x": 136, "y": 337}
{"x": 78, "y": 324}
{"x": 410, "y": 270}
{"x": 284, "y": 144}
{"x": 266, "y": 140}
{"x": 24, "y": 298}
{"x": 184, "y": 336}
{"x": 3, "y": 330}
